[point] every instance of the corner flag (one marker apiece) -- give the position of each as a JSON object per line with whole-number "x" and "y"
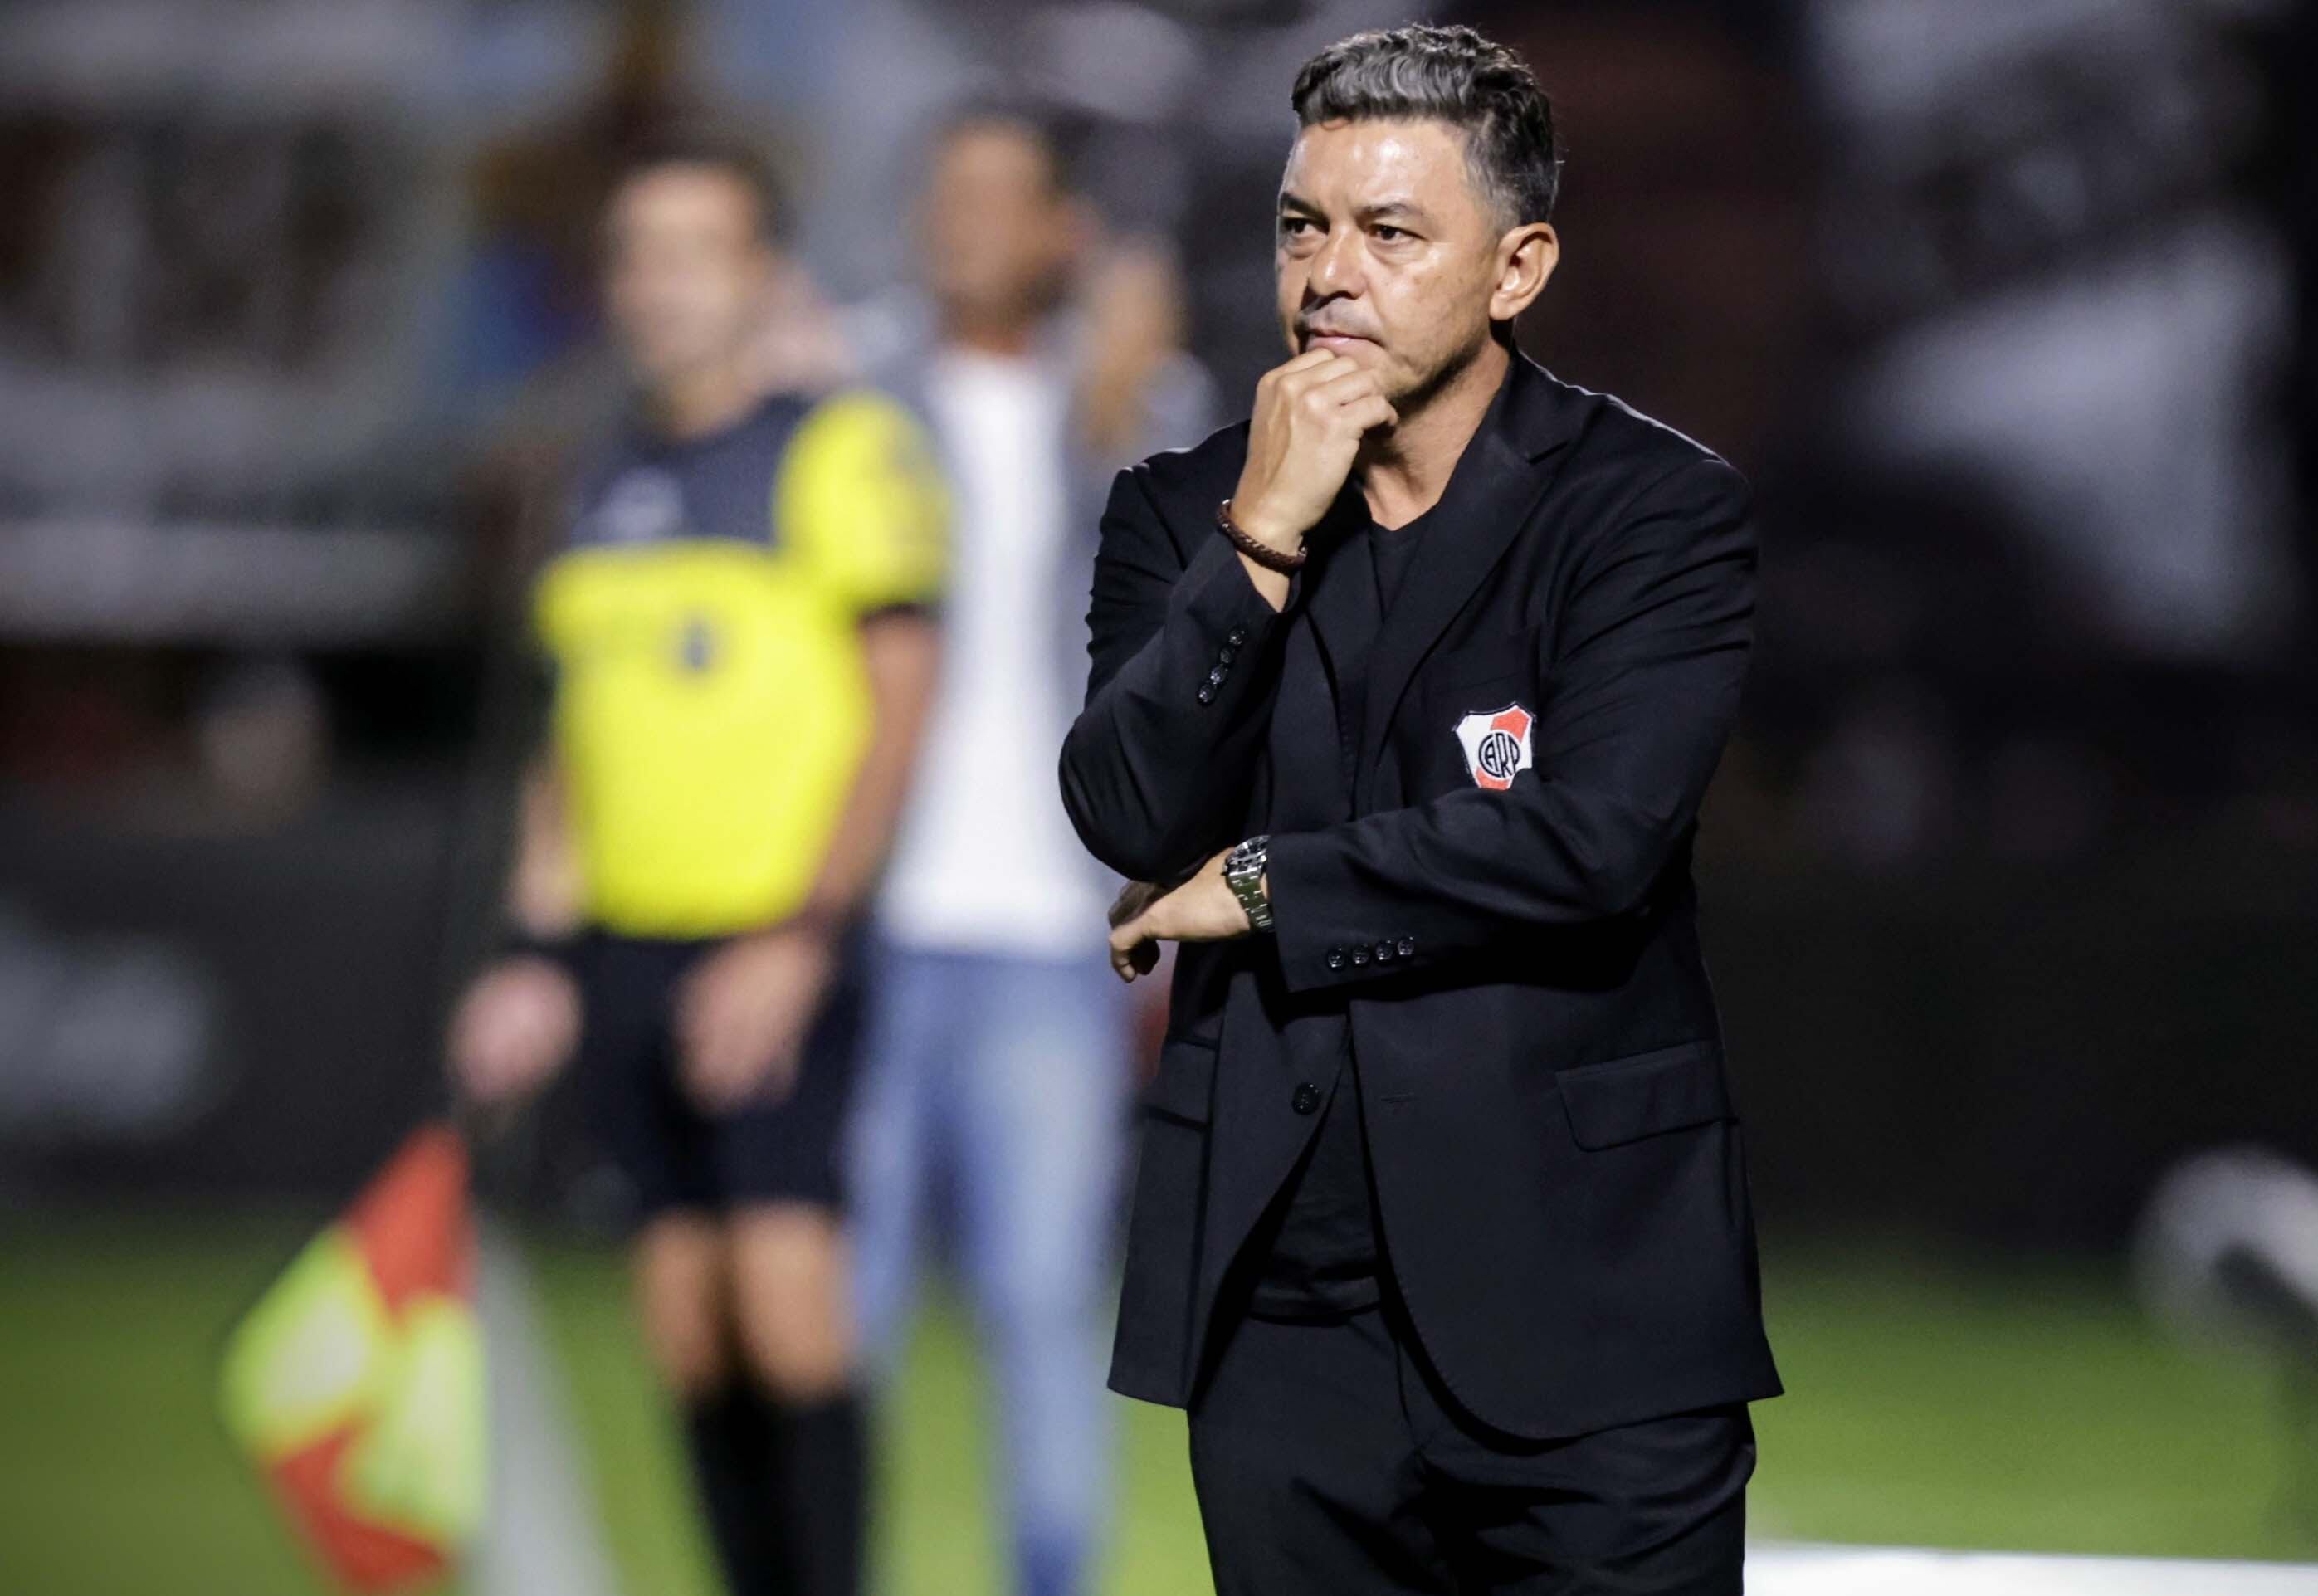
{"x": 355, "y": 1384}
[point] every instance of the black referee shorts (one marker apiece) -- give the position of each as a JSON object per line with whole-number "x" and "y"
{"x": 673, "y": 1155}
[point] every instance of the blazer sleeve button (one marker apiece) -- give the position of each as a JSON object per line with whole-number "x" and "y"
{"x": 1336, "y": 958}
{"x": 1207, "y": 692}
{"x": 1407, "y": 947}
{"x": 1238, "y": 635}
{"x": 1383, "y": 953}
{"x": 1359, "y": 955}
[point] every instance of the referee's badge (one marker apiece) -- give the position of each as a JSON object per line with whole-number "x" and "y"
{"x": 1497, "y": 744}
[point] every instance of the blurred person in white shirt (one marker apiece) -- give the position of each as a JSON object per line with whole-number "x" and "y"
{"x": 1044, "y": 358}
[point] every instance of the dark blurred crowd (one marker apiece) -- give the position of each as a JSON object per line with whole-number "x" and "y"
{"x": 2003, "y": 306}
{"x": 1999, "y": 302}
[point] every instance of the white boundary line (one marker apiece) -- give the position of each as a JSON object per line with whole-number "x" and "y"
{"x": 1790, "y": 1569}
{"x": 542, "y": 1533}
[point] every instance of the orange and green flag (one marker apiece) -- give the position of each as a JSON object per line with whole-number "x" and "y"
{"x": 355, "y": 1384}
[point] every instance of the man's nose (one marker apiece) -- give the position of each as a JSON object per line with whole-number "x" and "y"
{"x": 1336, "y": 269}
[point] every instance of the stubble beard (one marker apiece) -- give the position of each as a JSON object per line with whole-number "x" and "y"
{"x": 1411, "y": 401}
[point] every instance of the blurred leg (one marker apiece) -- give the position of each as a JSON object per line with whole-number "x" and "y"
{"x": 893, "y": 1139}
{"x": 793, "y": 1307}
{"x": 791, "y": 1300}
{"x": 683, "y": 1297}
{"x": 1042, "y": 1093}
{"x": 680, "y": 1296}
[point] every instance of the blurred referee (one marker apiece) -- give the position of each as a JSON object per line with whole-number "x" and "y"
{"x": 738, "y": 620}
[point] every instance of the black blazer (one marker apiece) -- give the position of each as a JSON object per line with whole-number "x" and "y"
{"x": 1509, "y": 930}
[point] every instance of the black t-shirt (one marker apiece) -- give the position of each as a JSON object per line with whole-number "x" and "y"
{"x": 1323, "y": 1259}
{"x": 1392, "y": 549}
{"x": 1323, "y": 1262}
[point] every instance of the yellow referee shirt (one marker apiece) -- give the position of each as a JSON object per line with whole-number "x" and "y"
{"x": 711, "y": 706}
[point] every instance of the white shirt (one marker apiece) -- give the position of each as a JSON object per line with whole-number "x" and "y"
{"x": 985, "y": 860}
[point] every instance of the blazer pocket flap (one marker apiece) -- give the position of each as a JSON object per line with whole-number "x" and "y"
{"x": 1624, "y": 1100}
{"x": 1186, "y": 1079}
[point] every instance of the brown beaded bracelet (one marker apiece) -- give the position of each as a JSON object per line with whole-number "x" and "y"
{"x": 1263, "y": 554}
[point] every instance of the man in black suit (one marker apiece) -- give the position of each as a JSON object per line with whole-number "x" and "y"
{"x": 1406, "y": 694}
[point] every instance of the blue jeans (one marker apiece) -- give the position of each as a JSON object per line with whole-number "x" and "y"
{"x": 1008, "y": 1076}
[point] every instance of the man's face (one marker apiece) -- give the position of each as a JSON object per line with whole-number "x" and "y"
{"x": 996, "y": 231}
{"x": 686, "y": 271}
{"x": 1386, "y": 253}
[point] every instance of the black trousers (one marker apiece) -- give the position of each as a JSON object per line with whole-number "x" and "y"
{"x": 1328, "y": 1458}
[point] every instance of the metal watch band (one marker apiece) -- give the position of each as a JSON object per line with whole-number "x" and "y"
{"x": 1243, "y": 869}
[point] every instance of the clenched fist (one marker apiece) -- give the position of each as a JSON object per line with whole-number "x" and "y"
{"x": 1310, "y": 415}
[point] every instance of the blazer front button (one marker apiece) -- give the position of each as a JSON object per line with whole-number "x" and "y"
{"x": 1306, "y": 1100}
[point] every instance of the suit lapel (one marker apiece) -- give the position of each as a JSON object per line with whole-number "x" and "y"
{"x": 1491, "y": 496}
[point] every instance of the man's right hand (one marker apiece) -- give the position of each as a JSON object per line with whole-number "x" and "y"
{"x": 519, "y": 1024}
{"x": 1310, "y": 415}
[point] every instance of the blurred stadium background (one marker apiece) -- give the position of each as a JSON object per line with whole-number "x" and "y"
{"x": 2004, "y": 304}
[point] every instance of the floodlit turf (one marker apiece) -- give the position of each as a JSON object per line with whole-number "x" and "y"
{"x": 2016, "y": 1407}
{"x": 1999, "y": 1407}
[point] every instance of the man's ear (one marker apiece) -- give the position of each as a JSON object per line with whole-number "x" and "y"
{"x": 1526, "y": 257}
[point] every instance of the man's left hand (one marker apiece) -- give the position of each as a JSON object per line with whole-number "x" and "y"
{"x": 1204, "y": 909}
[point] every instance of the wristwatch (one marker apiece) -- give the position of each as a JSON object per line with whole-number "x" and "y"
{"x": 1243, "y": 869}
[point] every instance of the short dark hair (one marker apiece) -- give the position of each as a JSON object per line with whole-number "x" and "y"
{"x": 720, "y": 148}
{"x": 1451, "y": 75}
{"x": 1058, "y": 136}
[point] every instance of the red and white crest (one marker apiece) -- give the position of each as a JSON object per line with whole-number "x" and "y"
{"x": 1497, "y": 744}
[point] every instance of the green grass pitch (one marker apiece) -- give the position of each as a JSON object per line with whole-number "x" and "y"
{"x": 1931, "y": 1404}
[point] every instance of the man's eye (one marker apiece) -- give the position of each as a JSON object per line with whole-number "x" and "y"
{"x": 1292, "y": 225}
{"x": 1388, "y": 234}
